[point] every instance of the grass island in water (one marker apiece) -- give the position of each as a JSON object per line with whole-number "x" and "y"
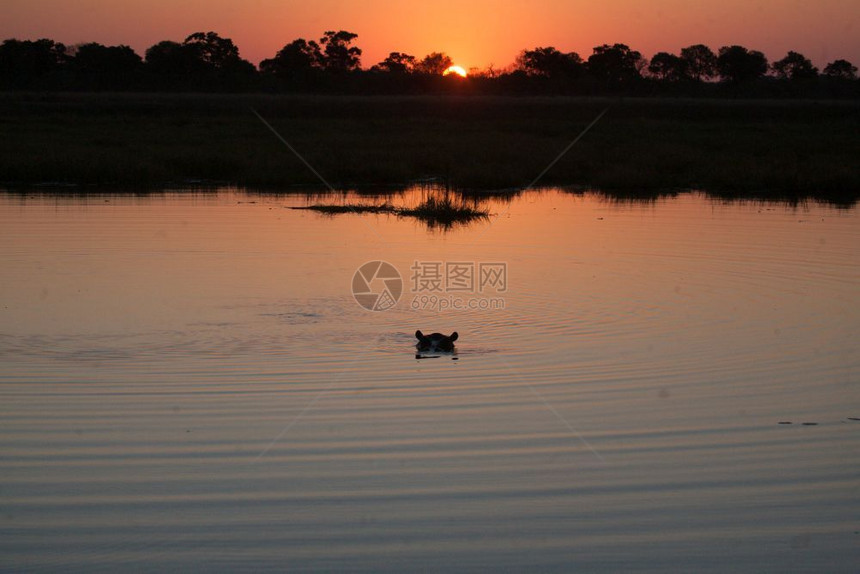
{"x": 434, "y": 211}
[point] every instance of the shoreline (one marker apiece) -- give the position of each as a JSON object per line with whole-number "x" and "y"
{"x": 70, "y": 190}
{"x": 735, "y": 148}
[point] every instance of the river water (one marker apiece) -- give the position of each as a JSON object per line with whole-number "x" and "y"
{"x": 187, "y": 382}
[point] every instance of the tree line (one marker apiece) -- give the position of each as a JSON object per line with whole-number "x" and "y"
{"x": 205, "y": 61}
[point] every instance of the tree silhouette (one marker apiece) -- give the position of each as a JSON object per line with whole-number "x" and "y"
{"x": 669, "y": 67}
{"x": 794, "y": 66}
{"x": 24, "y": 64}
{"x": 491, "y": 72}
{"x": 616, "y": 64}
{"x": 173, "y": 61}
{"x": 550, "y": 63}
{"x": 339, "y": 56}
{"x": 739, "y": 65}
{"x": 101, "y": 67}
{"x": 205, "y": 61}
{"x": 212, "y": 49}
{"x": 701, "y": 62}
{"x": 396, "y": 63}
{"x": 841, "y": 69}
{"x": 434, "y": 64}
{"x": 220, "y": 59}
{"x": 298, "y": 59}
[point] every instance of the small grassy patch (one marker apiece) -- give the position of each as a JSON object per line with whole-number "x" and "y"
{"x": 444, "y": 211}
{"x": 350, "y": 208}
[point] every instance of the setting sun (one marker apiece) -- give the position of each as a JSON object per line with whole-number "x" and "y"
{"x": 455, "y": 70}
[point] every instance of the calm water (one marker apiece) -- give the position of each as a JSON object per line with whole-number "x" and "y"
{"x": 186, "y": 382}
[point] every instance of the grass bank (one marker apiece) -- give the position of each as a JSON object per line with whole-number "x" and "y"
{"x": 762, "y": 148}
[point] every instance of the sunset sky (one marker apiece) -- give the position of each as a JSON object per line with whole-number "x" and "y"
{"x": 474, "y": 32}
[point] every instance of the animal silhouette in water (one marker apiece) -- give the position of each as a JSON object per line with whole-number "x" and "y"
{"x": 435, "y": 342}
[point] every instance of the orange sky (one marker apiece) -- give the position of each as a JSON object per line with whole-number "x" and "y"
{"x": 473, "y": 32}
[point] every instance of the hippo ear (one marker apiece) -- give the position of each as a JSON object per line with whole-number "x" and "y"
{"x": 419, "y": 335}
{"x": 453, "y": 336}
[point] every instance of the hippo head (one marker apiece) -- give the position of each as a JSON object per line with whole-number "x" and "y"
{"x": 435, "y": 342}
